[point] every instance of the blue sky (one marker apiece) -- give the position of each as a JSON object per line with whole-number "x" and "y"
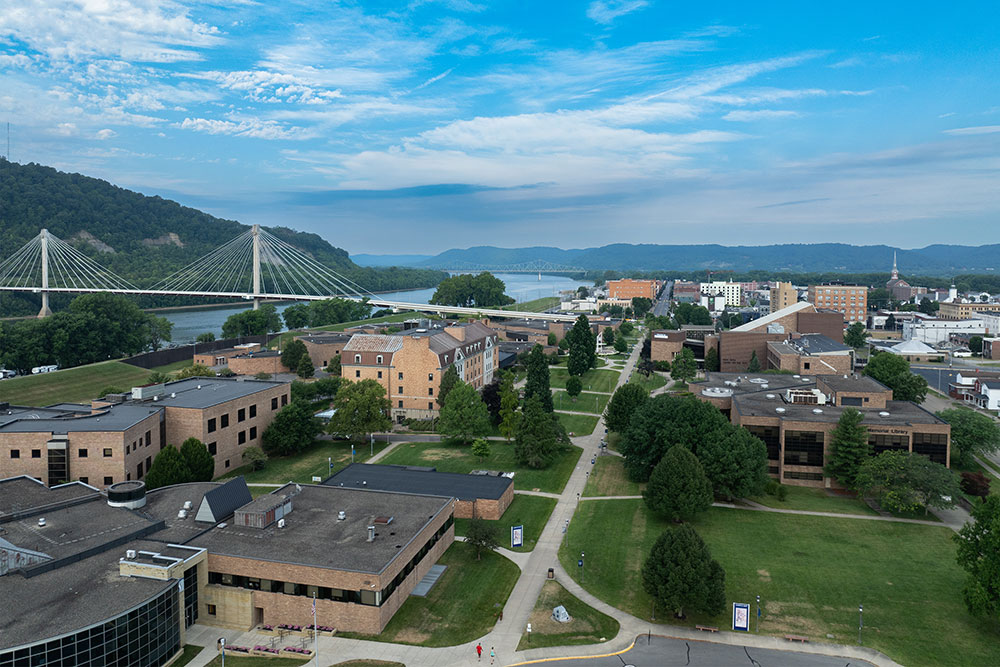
{"x": 395, "y": 127}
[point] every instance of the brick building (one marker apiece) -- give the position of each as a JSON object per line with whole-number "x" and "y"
{"x": 324, "y": 347}
{"x": 810, "y": 354}
{"x": 783, "y": 295}
{"x": 965, "y": 311}
{"x": 665, "y": 345}
{"x": 851, "y": 301}
{"x": 266, "y": 361}
{"x": 628, "y": 289}
{"x": 409, "y": 365}
{"x": 222, "y": 357}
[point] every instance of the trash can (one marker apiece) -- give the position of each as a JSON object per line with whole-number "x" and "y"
{"x": 552, "y": 573}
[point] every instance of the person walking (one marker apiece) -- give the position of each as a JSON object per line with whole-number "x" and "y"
{"x": 493, "y": 655}
{"x": 479, "y": 652}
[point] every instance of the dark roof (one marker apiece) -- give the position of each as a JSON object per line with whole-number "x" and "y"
{"x": 23, "y": 493}
{"x": 815, "y": 343}
{"x": 325, "y": 338}
{"x": 220, "y": 502}
{"x": 213, "y": 391}
{"x": 408, "y": 479}
{"x": 900, "y": 413}
{"x": 839, "y": 383}
{"x": 120, "y": 417}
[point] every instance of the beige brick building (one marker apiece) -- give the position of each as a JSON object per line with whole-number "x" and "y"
{"x": 324, "y": 347}
{"x": 665, "y": 345}
{"x": 783, "y": 295}
{"x": 965, "y": 311}
{"x": 849, "y": 300}
{"x": 409, "y": 365}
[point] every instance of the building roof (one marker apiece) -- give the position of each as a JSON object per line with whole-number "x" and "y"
{"x": 913, "y": 346}
{"x": 19, "y": 494}
{"x": 897, "y": 413}
{"x": 325, "y": 338}
{"x": 204, "y": 392}
{"x": 853, "y": 383}
{"x": 114, "y": 418}
{"x": 753, "y": 325}
{"x": 222, "y": 501}
{"x": 374, "y": 343}
{"x": 411, "y": 479}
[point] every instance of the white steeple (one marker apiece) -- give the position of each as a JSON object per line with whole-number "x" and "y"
{"x": 895, "y": 272}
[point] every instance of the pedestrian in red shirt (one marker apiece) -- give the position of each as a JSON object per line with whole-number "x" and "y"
{"x": 479, "y": 652}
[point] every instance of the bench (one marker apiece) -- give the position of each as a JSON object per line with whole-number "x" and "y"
{"x": 706, "y": 628}
{"x": 796, "y": 638}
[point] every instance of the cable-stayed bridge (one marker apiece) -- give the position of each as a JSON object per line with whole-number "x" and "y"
{"x": 256, "y": 265}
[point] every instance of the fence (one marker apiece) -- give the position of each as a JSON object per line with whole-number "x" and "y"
{"x": 172, "y": 355}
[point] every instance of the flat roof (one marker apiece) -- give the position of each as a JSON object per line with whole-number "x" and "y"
{"x": 213, "y": 391}
{"x": 22, "y": 492}
{"x": 900, "y": 413}
{"x": 410, "y": 479}
{"x": 119, "y": 417}
{"x": 742, "y": 383}
{"x": 839, "y": 383}
{"x": 753, "y": 325}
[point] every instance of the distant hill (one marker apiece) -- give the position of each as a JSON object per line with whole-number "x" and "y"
{"x": 144, "y": 239}
{"x": 938, "y": 260}
{"x": 389, "y": 260}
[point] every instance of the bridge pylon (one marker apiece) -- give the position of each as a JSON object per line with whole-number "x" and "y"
{"x": 43, "y": 238}
{"x": 256, "y": 266}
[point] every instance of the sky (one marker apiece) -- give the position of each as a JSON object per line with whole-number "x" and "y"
{"x": 415, "y": 127}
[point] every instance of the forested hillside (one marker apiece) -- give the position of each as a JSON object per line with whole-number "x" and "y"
{"x": 143, "y": 239}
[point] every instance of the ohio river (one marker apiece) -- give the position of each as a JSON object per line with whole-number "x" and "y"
{"x": 520, "y": 287}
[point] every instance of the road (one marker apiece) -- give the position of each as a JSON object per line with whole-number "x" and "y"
{"x": 662, "y": 305}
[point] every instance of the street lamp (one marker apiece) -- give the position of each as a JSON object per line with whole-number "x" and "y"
{"x": 583, "y": 570}
{"x": 222, "y": 643}
{"x": 861, "y": 622}
{"x": 757, "y": 625}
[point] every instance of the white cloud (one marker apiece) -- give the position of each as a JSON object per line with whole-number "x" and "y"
{"x": 606, "y": 11}
{"x": 434, "y": 79}
{"x": 250, "y": 127}
{"x": 269, "y": 86}
{"x": 982, "y": 129}
{"x": 105, "y": 134}
{"x": 745, "y": 116}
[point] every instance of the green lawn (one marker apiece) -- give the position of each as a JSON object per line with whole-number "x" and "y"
{"x": 532, "y": 512}
{"x": 577, "y": 425}
{"x": 654, "y": 381}
{"x": 535, "y": 306}
{"x": 593, "y": 380}
{"x": 71, "y": 385}
{"x": 313, "y": 461}
{"x": 174, "y": 367}
{"x": 369, "y": 663}
{"x": 255, "y": 661}
{"x": 811, "y": 573}
{"x": 607, "y": 478}
{"x": 588, "y": 626}
{"x": 585, "y": 402}
{"x": 564, "y": 359}
{"x": 462, "y": 606}
{"x": 815, "y": 500}
{"x": 190, "y": 651}
{"x": 447, "y": 457}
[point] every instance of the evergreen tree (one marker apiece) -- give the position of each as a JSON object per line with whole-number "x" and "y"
{"x": 849, "y": 448}
{"x": 979, "y": 555}
{"x": 537, "y": 384}
{"x": 582, "y": 347}
{"x": 200, "y": 464}
{"x": 448, "y": 381}
{"x": 855, "y": 335}
{"x": 712, "y": 360}
{"x": 678, "y": 488}
{"x": 292, "y": 354}
{"x": 573, "y": 386}
{"x": 334, "y": 368}
{"x": 684, "y": 368}
{"x": 609, "y": 336}
{"x": 553, "y": 340}
{"x": 293, "y": 429}
{"x": 754, "y": 365}
{"x": 735, "y": 462}
{"x": 681, "y": 575}
{"x": 168, "y": 468}
{"x": 361, "y": 408}
{"x": 305, "y": 368}
{"x": 535, "y": 441}
{"x": 625, "y": 401}
{"x": 621, "y": 345}
{"x": 464, "y": 415}
{"x": 508, "y": 406}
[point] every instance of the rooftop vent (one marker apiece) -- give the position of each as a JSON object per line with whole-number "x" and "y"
{"x": 341, "y": 515}
{"x": 182, "y": 514}
{"x": 371, "y": 533}
{"x": 173, "y": 394}
{"x": 796, "y": 376}
{"x": 222, "y": 525}
{"x": 771, "y": 396}
{"x": 779, "y": 410}
{"x": 281, "y": 523}
{"x": 383, "y": 520}
{"x": 41, "y": 522}
{"x": 883, "y": 414}
{"x": 817, "y": 411}
{"x": 130, "y": 554}
{"x": 187, "y": 504}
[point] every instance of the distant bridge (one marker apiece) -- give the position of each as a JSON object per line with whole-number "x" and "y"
{"x": 255, "y": 265}
{"x": 534, "y": 266}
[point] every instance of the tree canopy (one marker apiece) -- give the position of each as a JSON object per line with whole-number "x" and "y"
{"x": 681, "y": 575}
{"x": 294, "y": 428}
{"x": 684, "y": 367}
{"x": 972, "y": 434}
{"x": 849, "y": 448}
{"x": 168, "y": 468}
{"x": 535, "y": 436}
{"x": 200, "y": 463}
{"x": 893, "y": 371}
{"x": 361, "y": 408}
{"x": 448, "y": 381}
{"x": 979, "y": 555}
{"x": 678, "y": 488}
{"x": 623, "y": 404}
{"x": 855, "y": 336}
{"x": 252, "y": 322}
{"x": 902, "y": 481}
{"x": 464, "y": 416}
{"x": 292, "y": 354}
{"x": 482, "y": 291}
{"x": 537, "y": 384}
{"x": 582, "y": 347}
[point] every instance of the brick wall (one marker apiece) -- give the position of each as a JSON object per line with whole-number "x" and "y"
{"x": 258, "y": 364}
{"x": 665, "y": 345}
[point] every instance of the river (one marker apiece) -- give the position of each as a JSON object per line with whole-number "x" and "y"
{"x": 520, "y": 287}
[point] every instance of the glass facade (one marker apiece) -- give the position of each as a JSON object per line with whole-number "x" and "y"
{"x": 932, "y": 445}
{"x": 147, "y": 636}
{"x": 804, "y": 448}
{"x": 771, "y": 438}
{"x": 885, "y": 443}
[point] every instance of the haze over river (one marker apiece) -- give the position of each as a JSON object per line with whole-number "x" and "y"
{"x": 520, "y": 287}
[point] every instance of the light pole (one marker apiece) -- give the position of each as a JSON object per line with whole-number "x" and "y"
{"x": 757, "y": 624}
{"x": 861, "y": 622}
{"x": 222, "y": 643}
{"x": 583, "y": 570}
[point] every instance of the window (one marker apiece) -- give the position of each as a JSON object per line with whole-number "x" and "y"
{"x": 430, "y": 377}
{"x": 357, "y": 374}
{"x": 284, "y": 400}
{"x": 37, "y": 453}
{"x": 211, "y": 425}
{"x": 380, "y": 375}
{"x": 15, "y": 453}
{"x": 211, "y": 609}
{"x": 806, "y": 365}
{"x": 400, "y": 389}
{"x": 211, "y": 448}
{"x": 242, "y": 438}
{"x": 224, "y": 420}
{"x": 138, "y": 470}
{"x": 378, "y": 359}
{"x": 274, "y": 403}
{"x": 400, "y": 376}
{"x": 253, "y": 411}
{"x": 108, "y": 481}
{"x": 82, "y": 453}
{"x": 241, "y": 415}
{"x": 357, "y": 358}
{"x": 85, "y": 480}
{"x": 804, "y": 448}
{"x": 227, "y": 463}
{"x": 253, "y": 432}
{"x": 400, "y": 404}
{"x": 430, "y": 391}
{"x": 430, "y": 405}
{"x": 149, "y": 462}
{"x": 107, "y": 452}
{"x": 149, "y": 438}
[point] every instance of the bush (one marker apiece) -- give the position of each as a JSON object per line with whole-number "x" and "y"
{"x": 255, "y": 458}
{"x": 226, "y": 373}
{"x": 782, "y": 492}
{"x": 263, "y": 376}
{"x": 975, "y": 484}
{"x": 110, "y": 389}
{"x": 195, "y": 370}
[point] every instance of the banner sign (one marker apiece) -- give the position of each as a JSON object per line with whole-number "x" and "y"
{"x": 516, "y": 536}
{"x": 741, "y": 616}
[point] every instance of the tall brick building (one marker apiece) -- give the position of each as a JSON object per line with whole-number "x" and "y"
{"x": 783, "y": 295}
{"x": 409, "y": 365}
{"x": 849, "y": 300}
{"x": 628, "y": 289}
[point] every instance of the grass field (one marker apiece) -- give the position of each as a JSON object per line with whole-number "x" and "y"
{"x": 607, "y": 478}
{"x": 447, "y": 457}
{"x": 190, "y": 651}
{"x": 462, "y": 605}
{"x": 593, "y": 380}
{"x": 588, "y": 626}
{"x": 811, "y": 574}
{"x": 535, "y": 306}
{"x": 815, "y": 500}
{"x": 564, "y": 359}
{"x": 313, "y": 461}
{"x": 71, "y": 385}
{"x": 654, "y": 381}
{"x": 532, "y": 512}
{"x": 577, "y": 425}
{"x": 585, "y": 402}
{"x": 254, "y": 661}
{"x": 174, "y": 367}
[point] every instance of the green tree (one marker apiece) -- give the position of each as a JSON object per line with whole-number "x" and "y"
{"x": 156, "y": 377}
{"x": 535, "y": 439}
{"x": 553, "y": 340}
{"x": 684, "y": 368}
{"x": 972, "y": 434}
{"x": 296, "y": 316}
{"x": 582, "y": 347}
{"x": 464, "y": 416}
{"x": 893, "y": 371}
{"x": 466, "y": 290}
{"x": 641, "y": 306}
{"x": 849, "y": 448}
{"x": 573, "y": 386}
{"x": 168, "y": 468}
{"x": 681, "y": 575}
{"x": 361, "y": 408}
{"x": 509, "y": 402}
{"x": 200, "y": 463}
{"x": 252, "y": 322}
{"x": 292, "y": 354}
{"x": 481, "y": 448}
{"x": 903, "y": 481}
{"x": 927, "y": 307}
{"x": 735, "y": 462}
{"x": 334, "y": 368}
{"x": 206, "y": 337}
{"x": 754, "y": 365}
{"x": 483, "y": 536}
{"x": 111, "y": 389}
{"x": 625, "y": 401}
{"x": 979, "y": 555}
{"x": 195, "y": 370}
{"x": 305, "y": 368}
{"x": 537, "y": 384}
{"x": 263, "y": 375}
{"x": 254, "y": 457}
{"x": 855, "y": 336}
{"x": 678, "y": 488}
{"x": 608, "y": 336}
{"x": 159, "y": 329}
{"x": 448, "y": 381}
{"x": 294, "y": 428}
{"x": 625, "y": 328}
{"x": 890, "y": 322}
{"x": 712, "y": 360}
{"x": 621, "y": 345}
{"x": 976, "y": 345}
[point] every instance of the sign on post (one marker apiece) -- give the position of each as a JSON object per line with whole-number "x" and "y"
{"x": 741, "y": 616}
{"x": 516, "y": 536}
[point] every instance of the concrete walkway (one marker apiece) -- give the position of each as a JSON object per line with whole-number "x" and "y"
{"x": 750, "y": 505}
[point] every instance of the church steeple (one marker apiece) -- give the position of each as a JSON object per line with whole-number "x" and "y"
{"x": 895, "y": 272}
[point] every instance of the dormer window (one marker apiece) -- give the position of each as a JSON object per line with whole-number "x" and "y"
{"x": 357, "y": 358}
{"x": 378, "y": 359}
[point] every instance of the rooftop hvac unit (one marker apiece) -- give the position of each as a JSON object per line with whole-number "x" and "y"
{"x": 187, "y": 504}
{"x": 130, "y": 554}
{"x": 281, "y": 523}
{"x": 341, "y": 515}
{"x": 41, "y": 522}
{"x": 779, "y": 410}
{"x": 883, "y": 414}
{"x": 817, "y": 411}
{"x": 182, "y": 514}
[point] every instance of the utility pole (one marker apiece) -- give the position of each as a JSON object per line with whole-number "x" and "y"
{"x": 44, "y": 238}
{"x": 256, "y": 267}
